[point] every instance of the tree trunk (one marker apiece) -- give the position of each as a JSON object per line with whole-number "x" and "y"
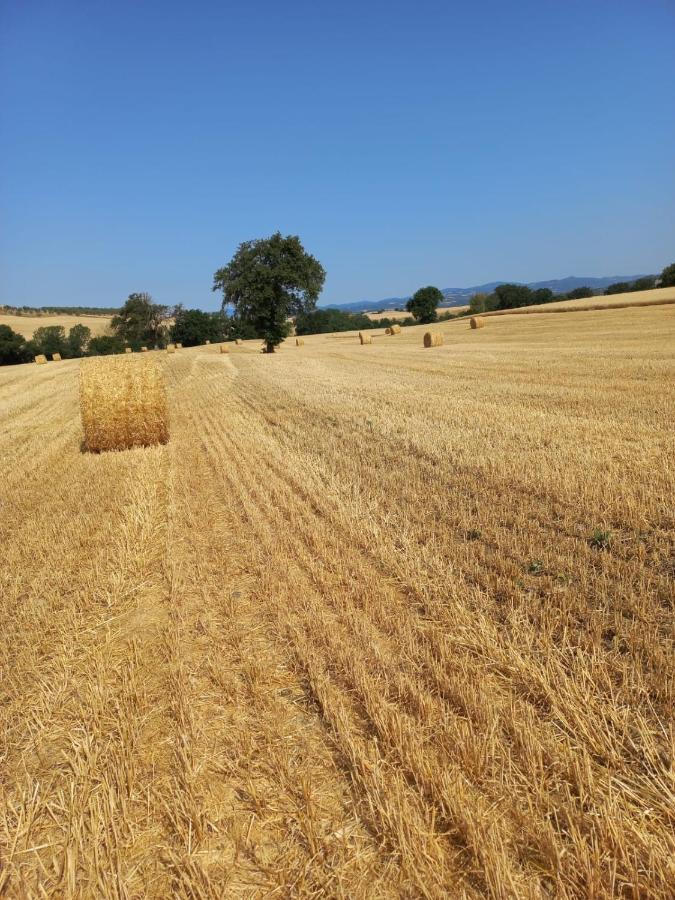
{"x": 270, "y": 347}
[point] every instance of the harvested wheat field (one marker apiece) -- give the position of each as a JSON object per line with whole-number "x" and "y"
{"x": 384, "y": 624}
{"x": 27, "y": 325}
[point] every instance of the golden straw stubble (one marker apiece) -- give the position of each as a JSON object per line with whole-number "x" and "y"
{"x": 123, "y": 402}
{"x": 433, "y": 339}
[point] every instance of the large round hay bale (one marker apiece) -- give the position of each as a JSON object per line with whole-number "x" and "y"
{"x": 238, "y": 341}
{"x": 56, "y": 357}
{"x": 40, "y": 359}
{"x": 123, "y": 402}
{"x": 395, "y": 329}
{"x": 477, "y": 322}
{"x": 299, "y": 342}
{"x": 224, "y": 348}
{"x": 170, "y": 348}
{"x": 365, "y": 338}
{"x": 433, "y": 339}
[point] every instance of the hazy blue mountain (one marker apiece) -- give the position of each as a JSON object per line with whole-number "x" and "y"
{"x": 461, "y": 296}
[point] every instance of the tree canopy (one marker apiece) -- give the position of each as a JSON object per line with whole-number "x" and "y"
{"x": 141, "y": 322}
{"x": 668, "y": 276}
{"x": 192, "y": 327}
{"x": 424, "y": 303}
{"x": 12, "y": 347}
{"x": 267, "y": 281}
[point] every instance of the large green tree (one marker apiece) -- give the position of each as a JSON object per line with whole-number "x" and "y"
{"x": 141, "y": 322}
{"x": 78, "y": 338}
{"x": 512, "y": 296}
{"x": 668, "y": 276}
{"x": 424, "y": 303}
{"x": 12, "y": 347}
{"x": 267, "y": 281}
{"x": 50, "y": 339}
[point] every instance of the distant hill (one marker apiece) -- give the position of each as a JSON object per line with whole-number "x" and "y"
{"x": 461, "y": 296}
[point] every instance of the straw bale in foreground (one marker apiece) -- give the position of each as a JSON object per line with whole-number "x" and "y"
{"x": 433, "y": 339}
{"x": 477, "y": 322}
{"x": 123, "y": 402}
{"x": 365, "y": 338}
{"x": 395, "y": 329}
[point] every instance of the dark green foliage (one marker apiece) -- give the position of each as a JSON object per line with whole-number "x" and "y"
{"x": 668, "y": 276}
{"x": 78, "y": 338}
{"x": 619, "y": 287}
{"x": 13, "y": 348}
{"x": 50, "y": 339}
{"x": 424, "y": 303}
{"x": 513, "y": 296}
{"x": 644, "y": 284}
{"x": 579, "y": 293}
{"x": 324, "y": 321}
{"x": 105, "y": 345}
{"x": 542, "y": 295}
{"x": 600, "y": 539}
{"x": 193, "y": 327}
{"x": 141, "y": 322}
{"x": 269, "y": 280}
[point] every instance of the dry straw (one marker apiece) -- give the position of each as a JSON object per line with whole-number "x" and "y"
{"x": 365, "y": 338}
{"x": 299, "y": 342}
{"x": 179, "y": 346}
{"x": 40, "y": 359}
{"x": 144, "y": 349}
{"x": 477, "y": 322}
{"x": 433, "y": 339}
{"x": 170, "y": 348}
{"x": 128, "y": 350}
{"x": 56, "y": 357}
{"x": 238, "y": 341}
{"x": 224, "y": 348}
{"x": 123, "y": 403}
{"x": 207, "y": 342}
{"x": 395, "y": 329}
{"x": 387, "y": 331}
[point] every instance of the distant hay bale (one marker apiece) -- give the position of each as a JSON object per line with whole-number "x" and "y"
{"x": 40, "y": 359}
{"x": 387, "y": 331}
{"x": 365, "y": 338}
{"x": 179, "y": 346}
{"x": 144, "y": 349}
{"x": 224, "y": 348}
{"x": 123, "y": 403}
{"x": 56, "y": 357}
{"x": 128, "y": 350}
{"x": 170, "y": 348}
{"x": 299, "y": 342}
{"x": 433, "y": 339}
{"x": 238, "y": 341}
{"x": 207, "y": 342}
{"x": 477, "y": 322}
{"x": 395, "y": 329}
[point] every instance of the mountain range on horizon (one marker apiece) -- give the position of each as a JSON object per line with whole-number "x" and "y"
{"x": 461, "y": 296}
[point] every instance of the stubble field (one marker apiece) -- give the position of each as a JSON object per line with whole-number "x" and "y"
{"x": 377, "y": 621}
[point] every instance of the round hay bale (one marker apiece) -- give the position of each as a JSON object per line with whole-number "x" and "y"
{"x": 123, "y": 403}
{"x": 128, "y": 350}
{"x": 395, "y": 329}
{"x": 170, "y": 348}
{"x": 433, "y": 339}
{"x": 365, "y": 338}
{"x": 477, "y": 322}
{"x": 238, "y": 341}
{"x": 387, "y": 330}
{"x": 207, "y": 342}
{"x": 144, "y": 349}
{"x": 179, "y": 346}
{"x": 56, "y": 357}
{"x": 224, "y": 348}
{"x": 40, "y": 359}
{"x": 299, "y": 342}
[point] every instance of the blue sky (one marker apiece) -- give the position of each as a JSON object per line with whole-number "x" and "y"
{"x": 449, "y": 143}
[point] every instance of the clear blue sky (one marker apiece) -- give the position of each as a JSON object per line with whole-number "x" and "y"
{"x": 407, "y": 143}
